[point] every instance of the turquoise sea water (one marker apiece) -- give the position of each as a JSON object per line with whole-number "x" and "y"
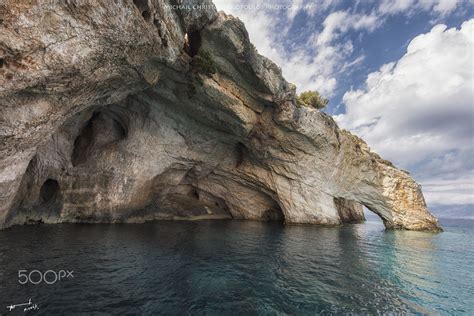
{"x": 228, "y": 267}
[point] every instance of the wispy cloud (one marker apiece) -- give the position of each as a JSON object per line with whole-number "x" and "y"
{"x": 450, "y": 192}
{"x": 442, "y": 7}
{"x": 340, "y": 22}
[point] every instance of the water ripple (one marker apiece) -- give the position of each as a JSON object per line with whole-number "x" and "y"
{"x": 237, "y": 266}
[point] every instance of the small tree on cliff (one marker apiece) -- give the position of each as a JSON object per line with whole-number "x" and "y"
{"x": 312, "y": 99}
{"x": 204, "y": 63}
{"x": 201, "y": 64}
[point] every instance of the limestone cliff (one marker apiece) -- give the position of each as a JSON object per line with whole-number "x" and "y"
{"x": 129, "y": 111}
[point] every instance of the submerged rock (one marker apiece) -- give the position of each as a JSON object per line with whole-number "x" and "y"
{"x": 129, "y": 111}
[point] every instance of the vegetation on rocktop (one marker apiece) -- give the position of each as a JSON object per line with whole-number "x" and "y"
{"x": 203, "y": 63}
{"x": 312, "y": 99}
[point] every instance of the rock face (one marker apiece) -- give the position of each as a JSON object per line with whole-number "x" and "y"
{"x": 129, "y": 111}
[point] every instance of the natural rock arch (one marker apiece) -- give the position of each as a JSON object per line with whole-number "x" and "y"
{"x": 239, "y": 139}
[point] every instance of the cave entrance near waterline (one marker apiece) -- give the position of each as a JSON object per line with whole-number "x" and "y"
{"x": 274, "y": 214}
{"x": 375, "y": 214}
{"x": 187, "y": 193}
{"x": 353, "y": 211}
{"x": 372, "y": 216}
{"x": 105, "y": 132}
{"x": 50, "y": 200}
{"x": 49, "y": 191}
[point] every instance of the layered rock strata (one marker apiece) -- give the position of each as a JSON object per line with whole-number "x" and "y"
{"x": 130, "y": 111}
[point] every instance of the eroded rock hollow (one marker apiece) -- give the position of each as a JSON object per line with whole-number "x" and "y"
{"x": 130, "y": 111}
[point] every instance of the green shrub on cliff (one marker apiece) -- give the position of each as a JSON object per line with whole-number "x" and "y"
{"x": 203, "y": 63}
{"x": 312, "y": 99}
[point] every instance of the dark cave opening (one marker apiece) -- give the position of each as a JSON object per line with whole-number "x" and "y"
{"x": 1, "y": 62}
{"x": 49, "y": 190}
{"x": 146, "y": 15}
{"x": 195, "y": 193}
{"x": 242, "y": 152}
{"x": 144, "y": 8}
{"x": 273, "y": 214}
{"x": 192, "y": 43}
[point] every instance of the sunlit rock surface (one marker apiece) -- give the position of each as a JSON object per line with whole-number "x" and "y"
{"x": 106, "y": 116}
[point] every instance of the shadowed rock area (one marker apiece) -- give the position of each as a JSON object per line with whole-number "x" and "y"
{"x": 131, "y": 111}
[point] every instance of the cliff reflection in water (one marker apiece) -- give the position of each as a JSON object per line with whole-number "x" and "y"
{"x": 244, "y": 266}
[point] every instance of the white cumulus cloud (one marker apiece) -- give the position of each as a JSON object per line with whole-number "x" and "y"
{"x": 419, "y": 111}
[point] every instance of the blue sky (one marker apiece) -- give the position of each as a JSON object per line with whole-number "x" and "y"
{"x": 398, "y": 73}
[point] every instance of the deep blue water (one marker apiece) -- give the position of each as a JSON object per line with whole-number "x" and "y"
{"x": 215, "y": 267}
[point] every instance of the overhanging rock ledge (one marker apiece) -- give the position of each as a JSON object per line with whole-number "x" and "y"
{"x": 130, "y": 111}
